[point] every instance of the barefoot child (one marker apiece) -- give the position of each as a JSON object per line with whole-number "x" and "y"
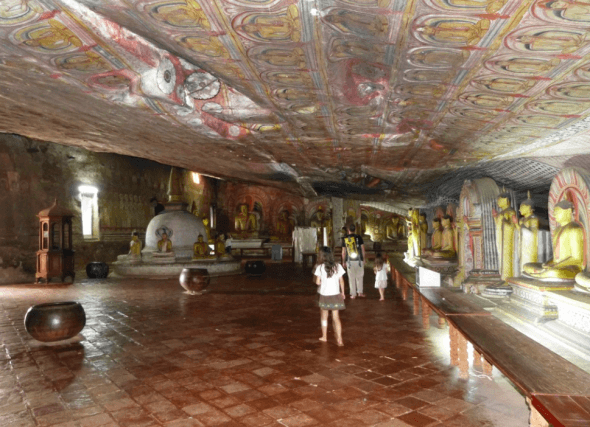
{"x": 380, "y": 275}
{"x": 328, "y": 276}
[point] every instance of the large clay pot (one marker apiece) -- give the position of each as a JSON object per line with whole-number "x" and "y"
{"x": 255, "y": 268}
{"x": 97, "y": 270}
{"x": 194, "y": 280}
{"x": 55, "y": 321}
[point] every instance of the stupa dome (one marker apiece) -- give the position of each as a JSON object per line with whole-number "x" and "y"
{"x": 182, "y": 228}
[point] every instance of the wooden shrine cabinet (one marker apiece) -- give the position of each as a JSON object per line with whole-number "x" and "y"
{"x": 55, "y": 257}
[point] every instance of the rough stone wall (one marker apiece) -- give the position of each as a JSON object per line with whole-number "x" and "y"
{"x": 33, "y": 174}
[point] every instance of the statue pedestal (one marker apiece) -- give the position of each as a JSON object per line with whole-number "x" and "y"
{"x": 446, "y": 267}
{"x": 163, "y": 258}
{"x": 246, "y": 243}
{"x": 530, "y": 299}
{"x": 573, "y": 309}
{"x": 479, "y": 280}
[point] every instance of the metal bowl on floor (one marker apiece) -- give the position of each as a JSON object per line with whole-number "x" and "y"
{"x": 194, "y": 280}
{"x": 55, "y": 321}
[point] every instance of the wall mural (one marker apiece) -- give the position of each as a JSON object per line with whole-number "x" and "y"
{"x": 447, "y": 80}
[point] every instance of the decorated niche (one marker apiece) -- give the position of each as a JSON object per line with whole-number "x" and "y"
{"x": 320, "y": 217}
{"x": 477, "y": 239}
{"x": 573, "y": 185}
{"x": 285, "y": 217}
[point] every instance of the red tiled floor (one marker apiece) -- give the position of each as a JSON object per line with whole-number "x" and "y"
{"x": 246, "y": 353}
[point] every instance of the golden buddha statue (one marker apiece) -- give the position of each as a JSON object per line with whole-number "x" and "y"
{"x": 423, "y": 231}
{"x": 220, "y": 246}
{"x": 505, "y": 226}
{"x": 320, "y": 221}
{"x": 245, "y": 221}
{"x": 207, "y": 228}
{"x": 413, "y": 223}
{"x": 164, "y": 245}
{"x": 200, "y": 248}
{"x": 448, "y": 242}
{"x": 284, "y": 226}
{"x": 135, "y": 245}
{"x": 528, "y": 228}
{"x": 436, "y": 241}
{"x": 568, "y": 248}
{"x": 392, "y": 228}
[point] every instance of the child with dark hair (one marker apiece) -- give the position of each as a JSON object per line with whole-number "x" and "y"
{"x": 328, "y": 276}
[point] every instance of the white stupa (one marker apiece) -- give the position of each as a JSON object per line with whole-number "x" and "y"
{"x": 183, "y": 230}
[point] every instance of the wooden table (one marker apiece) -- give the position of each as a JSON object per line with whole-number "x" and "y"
{"x": 557, "y": 390}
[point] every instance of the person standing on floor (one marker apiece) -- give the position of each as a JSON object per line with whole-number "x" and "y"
{"x": 353, "y": 257}
{"x": 328, "y": 276}
{"x": 380, "y": 271}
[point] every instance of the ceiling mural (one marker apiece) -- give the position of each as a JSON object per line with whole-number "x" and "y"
{"x": 347, "y": 95}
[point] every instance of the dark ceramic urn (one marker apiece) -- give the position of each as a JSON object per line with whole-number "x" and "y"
{"x": 55, "y": 321}
{"x": 97, "y": 270}
{"x": 194, "y": 280}
{"x": 255, "y": 268}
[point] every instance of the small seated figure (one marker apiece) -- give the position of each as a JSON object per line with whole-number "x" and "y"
{"x": 200, "y": 248}
{"x": 220, "y": 246}
{"x": 568, "y": 248}
{"x": 135, "y": 246}
{"x": 448, "y": 246}
{"x": 436, "y": 240}
{"x": 165, "y": 245}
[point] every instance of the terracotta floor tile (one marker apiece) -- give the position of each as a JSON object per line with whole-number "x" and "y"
{"x": 243, "y": 354}
{"x": 416, "y": 419}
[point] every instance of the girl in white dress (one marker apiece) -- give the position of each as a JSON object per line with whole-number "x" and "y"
{"x": 328, "y": 276}
{"x": 380, "y": 275}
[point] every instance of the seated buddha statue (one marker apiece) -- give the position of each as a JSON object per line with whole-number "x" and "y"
{"x": 245, "y": 221}
{"x": 436, "y": 240}
{"x": 135, "y": 245}
{"x": 164, "y": 245}
{"x": 200, "y": 248}
{"x": 220, "y": 246}
{"x": 568, "y": 248}
{"x": 448, "y": 245}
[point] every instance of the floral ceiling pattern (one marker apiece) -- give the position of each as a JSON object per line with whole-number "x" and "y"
{"x": 349, "y": 95}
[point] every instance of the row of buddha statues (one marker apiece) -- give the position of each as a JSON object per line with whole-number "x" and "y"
{"x": 517, "y": 242}
{"x": 201, "y": 249}
{"x": 443, "y": 241}
{"x": 381, "y": 229}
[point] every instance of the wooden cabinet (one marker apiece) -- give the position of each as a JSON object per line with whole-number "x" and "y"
{"x": 55, "y": 257}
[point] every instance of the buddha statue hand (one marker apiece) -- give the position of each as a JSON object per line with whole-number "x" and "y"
{"x": 549, "y": 270}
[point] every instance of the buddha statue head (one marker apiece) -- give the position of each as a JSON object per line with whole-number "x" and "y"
{"x": 527, "y": 207}
{"x": 446, "y": 222}
{"x": 135, "y": 236}
{"x": 564, "y": 212}
{"x": 200, "y": 238}
{"x": 164, "y": 236}
{"x": 436, "y": 224}
{"x": 504, "y": 201}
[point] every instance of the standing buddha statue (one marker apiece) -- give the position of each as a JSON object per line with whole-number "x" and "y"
{"x": 423, "y": 231}
{"x": 436, "y": 241}
{"x": 528, "y": 230}
{"x": 505, "y": 226}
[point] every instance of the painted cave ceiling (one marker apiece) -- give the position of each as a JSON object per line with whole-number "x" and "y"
{"x": 373, "y": 99}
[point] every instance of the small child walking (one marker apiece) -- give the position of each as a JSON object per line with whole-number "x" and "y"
{"x": 380, "y": 271}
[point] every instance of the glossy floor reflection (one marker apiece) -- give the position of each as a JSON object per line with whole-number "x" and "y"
{"x": 244, "y": 354}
